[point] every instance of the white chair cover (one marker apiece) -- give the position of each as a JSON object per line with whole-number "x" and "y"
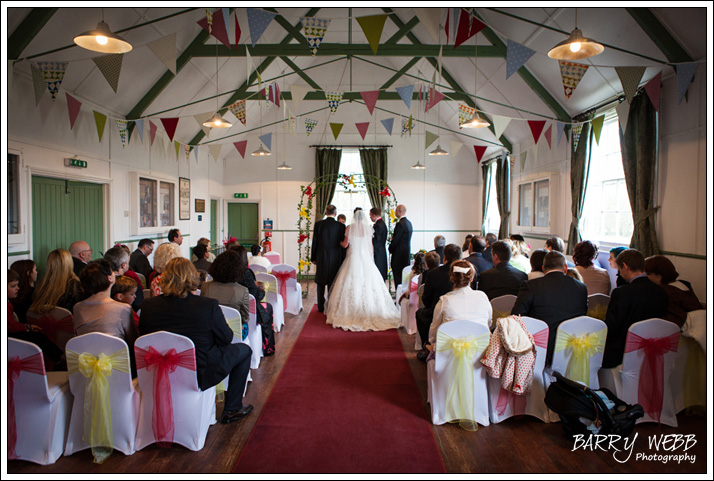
{"x": 123, "y": 395}
{"x": 650, "y": 342}
{"x": 409, "y": 307}
{"x": 273, "y": 297}
{"x": 293, "y": 290}
{"x": 257, "y": 268}
{"x": 142, "y": 279}
{"x": 236, "y": 324}
{"x": 584, "y": 327}
{"x": 441, "y": 377}
{"x": 597, "y": 305}
{"x": 420, "y": 304}
{"x": 689, "y": 379}
{"x": 39, "y": 405}
{"x": 502, "y": 306}
{"x": 273, "y": 257}
{"x": 504, "y": 404}
{"x": 192, "y": 410}
{"x": 401, "y": 287}
{"x": 255, "y": 336}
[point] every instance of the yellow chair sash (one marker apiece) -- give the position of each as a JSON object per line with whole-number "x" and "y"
{"x": 598, "y": 312}
{"x": 583, "y": 348}
{"x": 270, "y": 286}
{"x": 237, "y": 327}
{"x": 97, "y": 405}
{"x": 460, "y": 396}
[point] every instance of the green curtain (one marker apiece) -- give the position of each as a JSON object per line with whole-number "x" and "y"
{"x": 639, "y": 161}
{"x": 327, "y": 163}
{"x": 579, "y": 171}
{"x": 503, "y": 195}
{"x": 374, "y": 165}
{"x": 485, "y": 193}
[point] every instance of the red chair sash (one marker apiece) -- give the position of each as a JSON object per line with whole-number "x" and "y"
{"x": 541, "y": 338}
{"x": 518, "y": 402}
{"x": 651, "y": 385}
{"x": 50, "y": 325}
{"x": 162, "y": 418}
{"x": 33, "y": 364}
{"x": 283, "y": 277}
{"x": 251, "y": 306}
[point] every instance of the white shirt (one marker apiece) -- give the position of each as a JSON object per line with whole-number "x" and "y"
{"x": 461, "y": 303}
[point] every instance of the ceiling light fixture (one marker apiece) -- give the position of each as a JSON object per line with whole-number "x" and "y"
{"x": 103, "y": 40}
{"x": 418, "y": 166}
{"x": 576, "y": 46}
{"x": 217, "y": 122}
{"x": 476, "y": 121}
{"x": 438, "y": 151}
{"x": 261, "y": 152}
{"x": 284, "y": 166}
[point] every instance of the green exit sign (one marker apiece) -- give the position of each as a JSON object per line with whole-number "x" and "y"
{"x": 240, "y": 196}
{"x": 75, "y": 163}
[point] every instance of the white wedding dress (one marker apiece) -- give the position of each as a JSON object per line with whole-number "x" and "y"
{"x": 359, "y": 299}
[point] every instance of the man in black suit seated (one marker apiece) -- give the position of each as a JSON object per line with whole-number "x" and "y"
{"x": 556, "y": 244}
{"x": 503, "y": 278}
{"x": 553, "y": 298}
{"x": 81, "y": 255}
{"x": 439, "y": 243}
{"x": 638, "y": 300}
{"x": 476, "y": 258}
{"x": 379, "y": 241}
{"x": 139, "y": 262}
{"x": 490, "y": 239}
{"x": 326, "y": 252}
{"x": 436, "y": 283}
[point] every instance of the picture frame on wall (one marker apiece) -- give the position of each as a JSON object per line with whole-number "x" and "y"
{"x": 184, "y": 198}
{"x": 200, "y": 205}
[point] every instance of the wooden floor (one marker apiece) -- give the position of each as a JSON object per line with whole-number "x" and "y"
{"x": 524, "y": 445}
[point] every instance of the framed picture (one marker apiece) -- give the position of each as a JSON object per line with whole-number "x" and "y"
{"x": 200, "y": 205}
{"x": 184, "y": 198}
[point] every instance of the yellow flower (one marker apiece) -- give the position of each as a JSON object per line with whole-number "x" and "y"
{"x": 351, "y": 181}
{"x": 304, "y": 213}
{"x": 303, "y": 265}
{"x": 392, "y": 215}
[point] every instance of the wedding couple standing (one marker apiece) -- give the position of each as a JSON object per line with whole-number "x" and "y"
{"x": 358, "y": 297}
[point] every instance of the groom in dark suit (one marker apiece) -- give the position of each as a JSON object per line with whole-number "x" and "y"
{"x": 379, "y": 240}
{"x": 326, "y": 252}
{"x": 400, "y": 247}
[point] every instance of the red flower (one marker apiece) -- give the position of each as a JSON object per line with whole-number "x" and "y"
{"x": 228, "y": 241}
{"x": 385, "y": 192}
{"x": 301, "y": 238}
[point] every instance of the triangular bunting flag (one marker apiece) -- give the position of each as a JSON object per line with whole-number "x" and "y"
{"x": 336, "y": 129}
{"x": 140, "y": 129}
{"x": 177, "y": 145}
{"x": 187, "y": 150}
{"x": 274, "y": 94}
{"x": 73, "y": 106}
{"x": 560, "y": 127}
{"x": 524, "y": 154}
{"x": 123, "y": 131}
{"x": 468, "y": 27}
{"x": 38, "y": 83}
{"x": 195, "y": 153}
{"x": 597, "y": 127}
{"x": 100, "y": 120}
{"x": 407, "y": 125}
{"x": 372, "y": 26}
{"x": 499, "y": 124}
{"x": 333, "y": 100}
{"x": 152, "y": 131}
{"x": 298, "y": 93}
{"x": 238, "y": 31}
{"x": 430, "y": 139}
{"x": 430, "y": 18}
{"x": 516, "y": 56}
{"x": 479, "y": 150}
{"x": 653, "y": 88}
{"x": 209, "y": 20}
{"x": 314, "y": 30}
{"x": 434, "y": 98}
{"x": 572, "y": 73}
{"x": 201, "y": 118}
{"x": 267, "y": 139}
{"x": 53, "y": 73}
{"x": 536, "y": 128}
{"x": 215, "y": 150}
{"x": 370, "y": 99}
{"x": 685, "y": 74}
{"x": 388, "y": 125}
{"x": 258, "y": 21}
{"x": 238, "y": 109}
{"x": 290, "y": 125}
{"x": 577, "y": 130}
{"x": 110, "y": 66}
{"x": 240, "y": 147}
{"x": 465, "y": 114}
{"x": 623, "y": 113}
{"x": 548, "y": 135}
{"x": 630, "y": 79}
{"x": 170, "y": 124}
{"x": 165, "y": 49}
{"x": 455, "y": 147}
{"x": 309, "y": 125}
{"x": 362, "y": 128}
{"x": 406, "y": 93}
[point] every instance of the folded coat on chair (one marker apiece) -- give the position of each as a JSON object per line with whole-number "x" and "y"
{"x": 511, "y": 355}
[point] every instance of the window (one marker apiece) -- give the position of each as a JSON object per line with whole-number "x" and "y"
{"x": 493, "y": 218}
{"x": 13, "y": 194}
{"x": 607, "y": 215}
{"x": 147, "y": 194}
{"x": 166, "y": 203}
{"x": 534, "y": 204}
{"x": 346, "y": 198}
{"x": 153, "y": 204}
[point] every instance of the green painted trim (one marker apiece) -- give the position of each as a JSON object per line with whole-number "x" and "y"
{"x": 338, "y": 49}
{"x": 659, "y": 34}
{"x": 294, "y": 31}
{"x": 402, "y": 31}
{"x": 300, "y": 72}
{"x": 19, "y": 253}
{"x": 400, "y": 73}
{"x": 683, "y": 254}
{"x": 147, "y": 237}
{"x": 27, "y": 30}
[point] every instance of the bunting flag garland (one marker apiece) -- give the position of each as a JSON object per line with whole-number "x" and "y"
{"x": 267, "y": 139}
{"x": 195, "y": 153}
{"x": 53, "y": 73}
{"x": 479, "y": 150}
{"x": 209, "y": 20}
{"x": 140, "y": 129}
{"x": 170, "y": 124}
{"x": 309, "y": 125}
{"x": 536, "y": 128}
{"x": 238, "y": 109}
{"x": 38, "y": 83}
{"x": 165, "y": 50}
{"x": 430, "y": 18}
{"x": 623, "y": 113}
{"x": 434, "y": 98}
{"x": 187, "y": 149}
{"x": 653, "y": 88}
{"x": 201, "y": 118}
{"x": 572, "y": 73}
{"x": 238, "y": 31}
{"x": 333, "y": 100}
{"x": 516, "y": 56}
{"x": 468, "y": 27}
{"x": 291, "y": 125}
{"x": 577, "y": 130}
{"x": 336, "y": 129}
{"x": 226, "y": 18}
{"x": 217, "y": 27}
{"x": 430, "y": 139}
{"x": 100, "y": 120}
{"x": 407, "y": 125}
{"x": 548, "y": 135}
{"x": 123, "y": 131}
{"x": 298, "y": 93}
{"x": 110, "y": 66}
{"x": 258, "y": 21}
{"x": 240, "y": 147}
{"x": 274, "y": 94}
{"x": 388, "y": 125}
{"x": 152, "y": 132}
{"x": 370, "y": 99}
{"x": 465, "y": 114}
{"x": 455, "y": 147}
{"x": 685, "y": 75}
{"x": 372, "y": 26}
{"x": 597, "y": 127}
{"x": 560, "y": 127}
{"x": 406, "y": 93}
{"x": 452, "y": 21}
{"x": 499, "y": 124}
{"x": 314, "y": 30}
{"x": 73, "y": 106}
{"x": 215, "y": 150}
{"x": 177, "y": 144}
{"x": 630, "y": 79}
{"x": 362, "y": 128}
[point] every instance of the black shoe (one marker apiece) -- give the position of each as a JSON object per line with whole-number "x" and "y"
{"x": 422, "y": 355}
{"x": 230, "y": 416}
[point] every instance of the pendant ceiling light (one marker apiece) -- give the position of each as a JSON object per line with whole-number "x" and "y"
{"x": 576, "y": 46}
{"x": 476, "y": 121}
{"x": 217, "y": 121}
{"x": 261, "y": 152}
{"x": 103, "y": 40}
{"x": 418, "y": 166}
{"x": 284, "y": 166}
{"x": 438, "y": 151}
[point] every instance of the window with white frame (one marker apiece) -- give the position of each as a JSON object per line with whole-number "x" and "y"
{"x": 493, "y": 218}
{"x": 153, "y": 204}
{"x": 534, "y": 204}
{"x": 347, "y": 197}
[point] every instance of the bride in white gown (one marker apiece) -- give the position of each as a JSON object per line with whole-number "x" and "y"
{"x": 359, "y": 299}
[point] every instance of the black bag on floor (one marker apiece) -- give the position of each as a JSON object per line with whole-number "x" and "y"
{"x": 573, "y": 401}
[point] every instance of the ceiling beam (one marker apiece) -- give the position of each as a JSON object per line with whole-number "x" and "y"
{"x": 403, "y": 31}
{"x": 400, "y": 73}
{"x": 294, "y": 31}
{"x": 27, "y": 30}
{"x": 320, "y": 95}
{"x": 302, "y": 74}
{"x": 659, "y": 34}
{"x": 364, "y": 50}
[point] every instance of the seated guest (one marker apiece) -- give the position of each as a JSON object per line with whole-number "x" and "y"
{"x": 490, "y": 239}
{"x": 638, "y": 300}
{"x": 81, "y": 255}
{"x": 201, "y": 320}
{"x": 139, "y": 259}
{"x": 258, "y": 258}
{"x": 175, "y": 236}
{"x": 476, "y": 258}
{"x": 439, "y": 243}
{"x": 436, "y": 284}
{"x": 118, "y": 258}
{"x": 553, "y": 298}
{"x": 418, "y": 267}
{"x": 556, "y": 244}
{"x": 27, "y": 274}
{"x": 200, "y": 252}
{"x": 342, "y": 218}
{"x": 536, "y": 259}
{"x": 467, "y": 242}
{"x": 225, "y": 288}
{"x": 164, "y": 253}
{"x": 124, "y": 291}
{"x": 519, "y": 257}
{"x": 503, "y": 278}
{"x": 59, "y": 287}
{"x": 461, "y": 303}
{"x": 682, "y": 299}
{"x": 595, "y": 277}
{"x": 431, "y": 259}
{"x": 207, "y": 243}
{"x": 614, "y": 252}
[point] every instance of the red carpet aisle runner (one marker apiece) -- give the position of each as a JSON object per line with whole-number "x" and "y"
{"x": 345, "y": 402}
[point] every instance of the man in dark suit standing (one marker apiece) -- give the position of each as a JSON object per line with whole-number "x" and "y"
{"x": 553, "y": 298}
{"x": 476, "y": 258}
{"x": 326, "y": 252}
{"x": 638, "y": 300}
{"x": 400, "y": 247}
{"x": 379, "y": 240}
{"x": 503, "y": 278}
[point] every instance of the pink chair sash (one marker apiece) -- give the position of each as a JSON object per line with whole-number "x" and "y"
{"x": 651, "y": 385}
{"x": 162, "y": 418}
{"x": 413, "y": 286}
{"x": 519, "y": 402}
{"x": 541, "y": 338}
{"x": 283, "y": 277}
{"x": 33, "y": 364}
{"x": 251, "y": 306}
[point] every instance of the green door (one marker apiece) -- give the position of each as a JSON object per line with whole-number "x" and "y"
{"x": 214, "y": 222}
{"x": 64, "y": 211}
{"x": 243, "y": 223}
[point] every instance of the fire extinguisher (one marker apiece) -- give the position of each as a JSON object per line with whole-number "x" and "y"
{"x": 267, "y": 246}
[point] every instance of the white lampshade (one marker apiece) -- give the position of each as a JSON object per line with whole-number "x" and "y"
{"x": 103, "y": 40}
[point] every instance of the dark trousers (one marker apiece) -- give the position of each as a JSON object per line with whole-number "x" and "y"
{"x": 321, "y": 296}
{"x": 240, "y": 355}
{"x": 266, "y": 326}
{"x": 424, "y": 316}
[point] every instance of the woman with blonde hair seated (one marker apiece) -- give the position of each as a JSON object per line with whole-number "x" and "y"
{"x": 162, "y": 255}
{"x": 59, "y": 287}
{"x": 519, "y": 257}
